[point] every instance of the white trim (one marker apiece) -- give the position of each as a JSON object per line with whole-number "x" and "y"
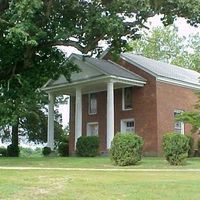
{"x": 50, "y": 133}
{"x": 130, "y": 81}
{"x": 122, "y": 121}
{"x": 161, "y": 78}
{"x": 94, "y": 80}
{"x": 178, "y": 83}
{"x": 110, "y": 113}
{"x": 182, "y": 123}
{"x": 104, "y": 53}
{"x": 47, "y": 83}
{"x": 123, "y": 101}
{"x": 92, "y": 123}
{"x": 78, "y": 114}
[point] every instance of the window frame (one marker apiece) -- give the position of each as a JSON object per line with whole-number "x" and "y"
{"x": 89, "y": 103}
{"x": 180, "y": 130}
{"x": 92, "y": 123}
{"x": 123, "y": 121}
{"x": 123, "y": 99}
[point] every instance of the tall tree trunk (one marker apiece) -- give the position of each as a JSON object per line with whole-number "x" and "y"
{"x": 15, "y": 136}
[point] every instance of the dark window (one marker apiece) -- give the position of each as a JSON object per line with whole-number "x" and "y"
{"x": 130, "y": 124}
{"x": 127, "y": 98}
{"x": 92, "y": 103}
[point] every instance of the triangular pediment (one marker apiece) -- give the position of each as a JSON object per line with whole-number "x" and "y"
{"x": 87, "y": 71}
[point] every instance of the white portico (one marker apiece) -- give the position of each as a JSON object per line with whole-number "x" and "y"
{"x": 96, "y": 75}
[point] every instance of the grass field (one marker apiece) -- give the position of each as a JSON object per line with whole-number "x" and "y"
{"x": 96, "y": 185}
{"x": 96, "y": 162}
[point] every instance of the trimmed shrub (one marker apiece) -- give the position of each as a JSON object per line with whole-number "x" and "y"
{"x": 176, "y": 147}
{"x": 87, "y": 146}
{"x": 13, "y": 151}
{"x": 126, "y": 149}
{"x": 191, "y": 145}
{"x": 63, "y": 147}
{"x": 3, "y": 152}
{"x": 198, "y": 146}
{"x": 46, "y": 151}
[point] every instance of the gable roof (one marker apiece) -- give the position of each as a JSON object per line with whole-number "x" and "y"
{"x": 163, "y": 71}
{"x": 108, "y": 67}
{"x": 93, "y": 69}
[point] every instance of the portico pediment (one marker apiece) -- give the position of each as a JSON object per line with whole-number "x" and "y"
{"x": 93, "y": 75}
{"x": 86, "y": 72}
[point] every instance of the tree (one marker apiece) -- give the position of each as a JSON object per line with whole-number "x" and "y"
{"x": 192, "y": 118}
{"x": 32, "y": 128}
{"x": 30, "y": 30}
{"x": 164, "y": 43}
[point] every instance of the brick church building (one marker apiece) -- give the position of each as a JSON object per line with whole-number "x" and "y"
{"x": 136, "y": 94}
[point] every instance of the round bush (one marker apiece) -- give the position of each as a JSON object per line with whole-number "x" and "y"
{"x": 175, "y": 147}
{"x": 191, "y": 145}
{"x": 46, "y": 151}
{"x": 63, "y": 149}
{"x": 126, "y": 149}
{"x": 87, "y": 146}
{"x": 13, "y": 151}
{"x": 3, "y": 151}
{"x": 198, "y": 146}
{"x": 63, "y": 146}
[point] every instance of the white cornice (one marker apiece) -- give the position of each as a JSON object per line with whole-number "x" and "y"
{"x": 178, "y": 83}
{"x": 161, "y": 78}
{"x": 94, "y": 80}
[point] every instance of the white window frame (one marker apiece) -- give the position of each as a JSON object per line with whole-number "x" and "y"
{"x": 123, "y": 100}
{"x": 123, "y": 121}
{"x": 89, "y": 104}
{"x": 182, "y": 128}
{"x": 92, "y": 123}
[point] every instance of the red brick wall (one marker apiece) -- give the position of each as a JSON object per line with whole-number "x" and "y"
{"x": 170, "y": 98}
{"x": 140, "y": 113}
{"x": 144, "y": 113}
{"x": 100, "y": 117}
{"x": 153, "y": 109}
{"x": 145, "y": 109}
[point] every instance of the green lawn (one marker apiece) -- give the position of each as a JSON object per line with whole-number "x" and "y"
{"x": 73, "y": 185}
{"x": 96, "y": 185}
{"x": 96, "y": 162}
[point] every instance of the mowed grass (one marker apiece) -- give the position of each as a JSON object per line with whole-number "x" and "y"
{"x": 87, "y": 185}
{"x": 96, "y": 162}
{"x": 54, "y": 184}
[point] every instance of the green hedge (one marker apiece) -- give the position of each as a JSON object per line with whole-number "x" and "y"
{"x": 46, "y": 151}
{"x": 191, "y": 145}
{"x": 126, "y": 149}
{"x": 63, "y": 147}
{"x": 3, "y": 152}
{"x": 175, "y": 147}
{"x": 87, "y": 146}
{"x": 198, "y": 146}
{"x": 13, "y": 151}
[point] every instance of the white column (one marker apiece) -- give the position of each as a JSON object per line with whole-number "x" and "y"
{"x": 50, "y": 135}
{"x": 78, "y": 115}
{"x": 110, "y": 113}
